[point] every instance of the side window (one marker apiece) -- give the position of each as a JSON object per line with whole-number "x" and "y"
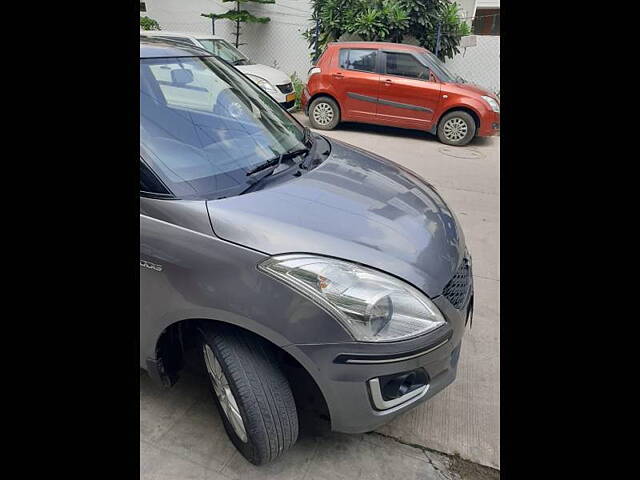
{"x": 405, "y": 65}
{"x": 149, "y": 183}
{"x": 358, "y": 59}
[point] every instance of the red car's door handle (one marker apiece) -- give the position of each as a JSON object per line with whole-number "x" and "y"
{"x": 338, "y": 75}
{"x": 387, "y": 82}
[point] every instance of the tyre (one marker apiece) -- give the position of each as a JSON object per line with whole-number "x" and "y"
{"x": 252, "y": 394}
{"x": 456, "y": 128}
{"x": 324, "y": 113}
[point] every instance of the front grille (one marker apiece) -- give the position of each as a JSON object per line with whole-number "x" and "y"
{"x": 457, "y": 290}
{"x": 286, "y": 88}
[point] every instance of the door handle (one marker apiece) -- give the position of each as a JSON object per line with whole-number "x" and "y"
{"x": 338, "y": 75}
{"x": 387, "y": 82}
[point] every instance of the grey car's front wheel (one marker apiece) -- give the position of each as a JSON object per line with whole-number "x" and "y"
{"x": 456, "y": 128}
{"x": 252, "y": 394}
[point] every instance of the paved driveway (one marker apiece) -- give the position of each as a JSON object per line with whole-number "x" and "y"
{"x": 464, "y": 419}
{"x": 181, "y": 435}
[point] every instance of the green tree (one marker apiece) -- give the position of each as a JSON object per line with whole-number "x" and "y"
{"x": 427, "y": 15}
{"x": 389, "y": 20}
{"x": 147, "y": 23}
{"x": 239, "y": 16}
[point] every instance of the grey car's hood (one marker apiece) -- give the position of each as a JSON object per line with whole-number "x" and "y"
{"x": 355, "y": 206}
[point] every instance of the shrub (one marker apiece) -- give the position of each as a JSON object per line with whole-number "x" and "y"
{"x": 147, "y": 23}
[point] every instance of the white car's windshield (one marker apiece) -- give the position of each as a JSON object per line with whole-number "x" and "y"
{"x": 203, "y": 126}
{"x": 226, "y": 51}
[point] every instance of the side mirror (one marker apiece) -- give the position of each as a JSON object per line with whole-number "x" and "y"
{"x": 181, "y": 76}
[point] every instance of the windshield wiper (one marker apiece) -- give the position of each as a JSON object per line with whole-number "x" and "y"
{"x": 276, "y": 161}
{"x": 311, "y": 159}
{"x": 273, "y": 165}
{"x": 308, "y": 138}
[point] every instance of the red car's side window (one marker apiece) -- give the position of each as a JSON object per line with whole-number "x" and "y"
{"x": 362, "y": 60}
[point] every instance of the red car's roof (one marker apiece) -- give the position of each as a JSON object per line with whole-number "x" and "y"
{"x": 386, "y": 45}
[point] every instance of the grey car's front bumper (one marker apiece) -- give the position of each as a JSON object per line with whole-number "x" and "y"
{"x": 346, "y": 385}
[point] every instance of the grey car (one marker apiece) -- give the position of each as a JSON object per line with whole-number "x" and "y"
{"x": 294, "y": 269}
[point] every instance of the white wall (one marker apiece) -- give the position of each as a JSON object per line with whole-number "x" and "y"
{"x": 278, "y": 43}
{"x": 488, "y": 4}
{"x": 467, "y": 9}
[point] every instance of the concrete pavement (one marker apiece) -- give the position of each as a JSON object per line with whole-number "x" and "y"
{"x": 181, "y": 434}
{"x": 182, "y": 437}
{"x": 464, "y": 419}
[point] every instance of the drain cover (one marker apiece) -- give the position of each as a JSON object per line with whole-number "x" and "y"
{"x": 459, "y": 152}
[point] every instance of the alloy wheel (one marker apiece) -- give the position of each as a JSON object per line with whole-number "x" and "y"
{"x": 455, "y": 129}
{"x": 224, "y": 394}
{"x": 323, "y": 114}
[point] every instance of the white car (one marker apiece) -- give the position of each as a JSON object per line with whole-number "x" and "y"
{"x": 276, "y": 83}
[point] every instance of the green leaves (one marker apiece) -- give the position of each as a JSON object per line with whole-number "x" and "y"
{"x": 239, "y": 16}
{"x": 371, "y": 20}
{"x": 298, "y": 86}
{"x": 427, "y": 15}
{"x": 213, "y": 16}
{"x": 369, "y": 25}
{"x": 243, "y": 16}
{"x": 147, "y": 23}
{"x": 389, "y": 20}
{"x": 397, "y": 19}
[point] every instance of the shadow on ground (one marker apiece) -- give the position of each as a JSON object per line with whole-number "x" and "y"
{"x": 394, "y": 132}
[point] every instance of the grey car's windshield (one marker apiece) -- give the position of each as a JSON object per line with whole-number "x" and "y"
{"x": 439, "y": 68}
{"x": 203, "y": 126}
{"x": 225, "y": 50}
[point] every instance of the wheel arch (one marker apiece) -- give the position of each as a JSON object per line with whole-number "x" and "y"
{"x": 181, "y": 335}
{"x": 323, "y": 94}
{"x": 463, "y": 108}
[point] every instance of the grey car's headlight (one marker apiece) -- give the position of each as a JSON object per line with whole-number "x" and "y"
{"x": 495, "y": 106}
{"x": 263, "y": 84}
{"x": 373, "y": 306}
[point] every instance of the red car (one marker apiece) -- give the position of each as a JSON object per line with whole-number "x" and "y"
{"x": 398, "y": 85}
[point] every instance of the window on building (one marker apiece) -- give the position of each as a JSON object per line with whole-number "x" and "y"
{"x": 358, "y": 59}
{"x": 487, "y": 21}
{"x": 143, "y": 7}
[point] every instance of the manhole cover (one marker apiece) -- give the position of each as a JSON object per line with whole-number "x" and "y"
{"x": 459, "y": 152}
